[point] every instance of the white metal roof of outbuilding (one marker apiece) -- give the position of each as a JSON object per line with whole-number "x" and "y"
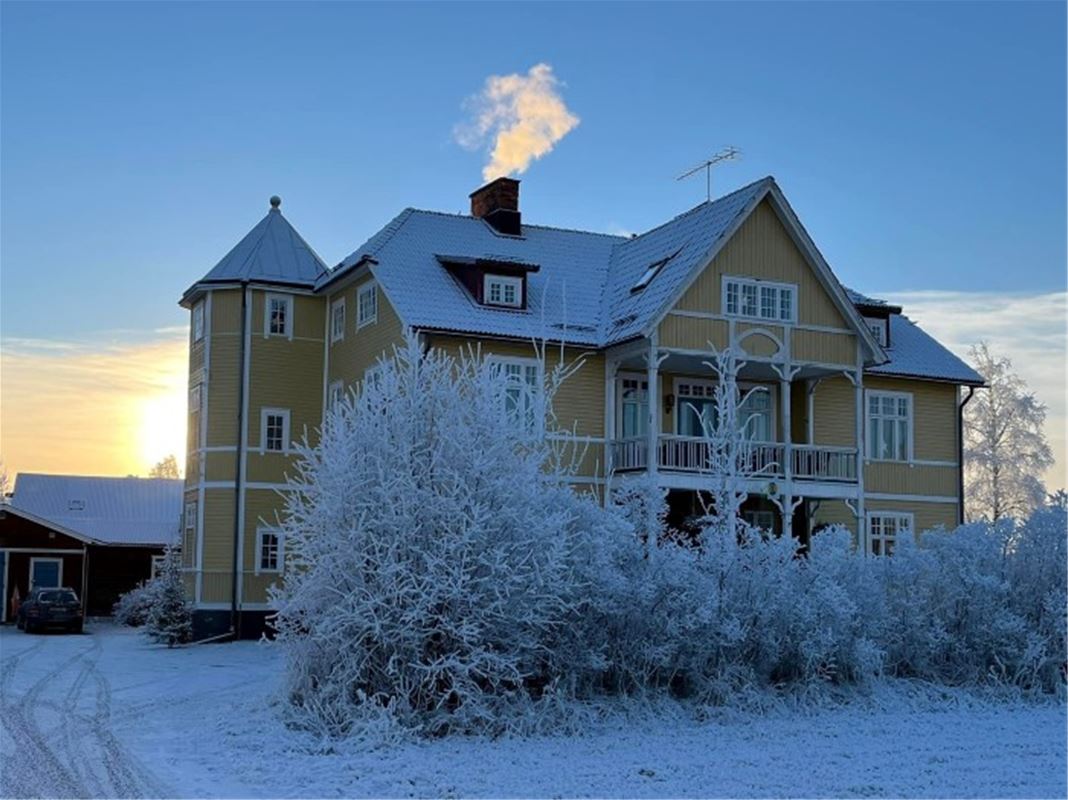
{"x": 115, "y": 511}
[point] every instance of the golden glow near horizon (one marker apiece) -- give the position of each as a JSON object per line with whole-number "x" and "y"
{"x": 114, "y": 408}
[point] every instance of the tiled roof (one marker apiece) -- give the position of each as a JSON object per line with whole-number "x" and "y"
{"x": 272, "y": 252}
{"x": 915, "y": 353}
{"x": 121, "y": 511}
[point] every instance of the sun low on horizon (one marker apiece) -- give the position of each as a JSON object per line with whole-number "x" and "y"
{"x": 94, "y": 408}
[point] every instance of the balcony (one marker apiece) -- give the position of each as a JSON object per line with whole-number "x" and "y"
{"x": 690, "y": 454}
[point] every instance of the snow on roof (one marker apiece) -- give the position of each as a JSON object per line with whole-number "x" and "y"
{"x": 272, "y": 252}
{"x": 915, "y": 353}
{"x": 121, "y": 511}
{"x": 581, "y": 291}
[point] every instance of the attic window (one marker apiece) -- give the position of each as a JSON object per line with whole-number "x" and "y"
{"x": 75, "y": 505}
{"x": 500, "y": 290}
{"x": 651, "y": 272}
{"x": 878, "y": 329}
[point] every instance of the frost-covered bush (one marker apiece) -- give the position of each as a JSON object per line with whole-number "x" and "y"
{"x": 133, "y": 606}
{"x": 435, "y": 558}
{"x": 443, "y": 576}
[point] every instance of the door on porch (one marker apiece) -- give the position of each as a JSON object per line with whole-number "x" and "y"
{"x": 45, "y": 573}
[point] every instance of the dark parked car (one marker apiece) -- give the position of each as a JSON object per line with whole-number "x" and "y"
{"x": 50, "y": 608}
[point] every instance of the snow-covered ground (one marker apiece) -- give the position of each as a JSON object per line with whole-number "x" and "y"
{"x": 108, "y": 715}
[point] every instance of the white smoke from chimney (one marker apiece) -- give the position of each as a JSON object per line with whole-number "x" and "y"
{"x": 523, "y": 115}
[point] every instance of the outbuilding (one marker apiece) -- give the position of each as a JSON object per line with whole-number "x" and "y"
{"x": 99, "y": 536}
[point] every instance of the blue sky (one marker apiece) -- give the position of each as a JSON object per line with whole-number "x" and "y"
{"x": 923, "y": 145}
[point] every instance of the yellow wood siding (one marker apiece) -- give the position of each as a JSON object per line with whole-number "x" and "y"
{"x": 824, "y": 348}
{"x": 884, "y": 478}
{"x": 360, "y": 349}
{"x": 835, "y": 512}
{"x": 834, "y": 413}
{"x": 692, "y": 333}
{"x": 762, "y": 248}
{"x": 763, "y": 341}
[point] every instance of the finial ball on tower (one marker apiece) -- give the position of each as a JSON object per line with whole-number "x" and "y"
{"x": 276, "y": 201}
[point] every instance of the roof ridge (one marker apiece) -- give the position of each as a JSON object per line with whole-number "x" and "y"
{"x": 705, "y": 204}
{"x": 453, "y": 215}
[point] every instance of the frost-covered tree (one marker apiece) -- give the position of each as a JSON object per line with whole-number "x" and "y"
{"x": 170, "y": 614}
{"x": 167, "y": 468}
{"x": 435, "y": 554}
{"x": 1005, "y": 447}
{"x": 733, "y": 460}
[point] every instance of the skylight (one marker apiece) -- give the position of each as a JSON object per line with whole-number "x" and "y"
{"x": 651, "y": 272}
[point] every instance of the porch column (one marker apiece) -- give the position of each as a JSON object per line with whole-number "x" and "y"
{"x": 652, "y": 368}
{"x": 786, "y": 437}
{"x": 611, "y": 366}
{"x": 858, "y": 392}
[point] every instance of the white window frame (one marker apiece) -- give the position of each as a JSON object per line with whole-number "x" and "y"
{"x": 196, "y": 398}
{"x": 370, "y": 288}
{"x": 754, "y": 516}
{"x": 198, "y": 321}
{"x": 757, "y": 285}
{"x": 878, "y": 329}
{"x": 272, "y": 412}
{"x": 157, "y": 565}
{"x": 334, "y": 395}
{"x": 910, "y": 432}
{"x": 503, "y": 281}
{"x": 744, "y": 387}
{"x": 537, "y": 398}
{"x": 337, "y": 320}
{"x": 35, "y": 559}
{"x": 280, "y": 556}
{"x": 190, "y": 515}
{"x": 643, "y": 385}
{"x": 904, "y": 521}
{"x": 372, "y": 374}
{"x": 288, "y": 301}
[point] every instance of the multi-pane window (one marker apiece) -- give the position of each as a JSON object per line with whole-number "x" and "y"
{"x": 157, "y": 566}
{"x": 275, "y": 430}
{"x": 889, "y": 426}
{"x": 522, "y": 391}
{"x": 753, "y": 299}
{"x": 279, "y": 314}
{"x": 337, "y": 320}
{"x": 366, "y": 304}
{"x": 268, "y": 550}
{"x": 757, "y": 415}
{"x": 697, "y": 408}
{"x": 336, "y": 394}
{"x": 884, "y": 530}
{"x": 191, "y": 515}
{"x": 877, "y": 328}
{"x": 198, "y": 322}
{"x": 499, "y": 290}
{"x": 761, "y": 519}
{"x": 195, "y": 399}
{"x": 634, "y": 407}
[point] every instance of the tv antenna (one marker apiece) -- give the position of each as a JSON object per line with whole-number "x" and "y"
{"x": 726, "y": 154}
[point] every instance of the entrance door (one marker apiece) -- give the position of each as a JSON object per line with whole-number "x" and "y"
{"x": 46, "y": 573}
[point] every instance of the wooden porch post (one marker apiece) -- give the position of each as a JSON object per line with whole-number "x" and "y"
{"x": 652, "y": 367}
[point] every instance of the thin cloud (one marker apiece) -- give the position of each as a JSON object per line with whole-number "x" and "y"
{"x": 93, "y": 407}
{"x": 521, "y": 116}
{"x": 1029, "y": 328}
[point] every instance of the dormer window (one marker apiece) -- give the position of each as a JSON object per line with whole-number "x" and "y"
{"x": 878, "y": 329}
{"x": 501, "y": 290}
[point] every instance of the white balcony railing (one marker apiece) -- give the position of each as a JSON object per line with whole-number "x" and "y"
{"x": 691, "y": 454}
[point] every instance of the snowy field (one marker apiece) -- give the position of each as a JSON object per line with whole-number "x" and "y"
{"x": 108, "y": 715}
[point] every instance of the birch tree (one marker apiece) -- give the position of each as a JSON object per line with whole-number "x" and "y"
{"x": 1005, "y": 447}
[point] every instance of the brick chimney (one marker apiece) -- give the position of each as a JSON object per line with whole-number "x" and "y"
{"x": 498, "y": 203}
